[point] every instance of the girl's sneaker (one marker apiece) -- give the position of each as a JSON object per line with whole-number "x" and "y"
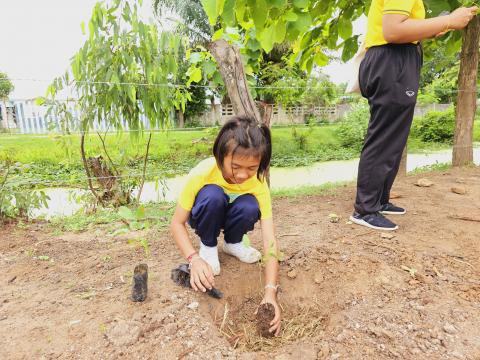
{"x": 243, "y": 252}
{"x": 210, "y": 255}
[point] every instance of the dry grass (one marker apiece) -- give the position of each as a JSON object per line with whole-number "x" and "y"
{"x": 237, "y": 324}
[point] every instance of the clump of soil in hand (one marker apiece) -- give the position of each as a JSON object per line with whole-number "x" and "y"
{"x": 265, "y": 314}
{"x": 140, "y": 279}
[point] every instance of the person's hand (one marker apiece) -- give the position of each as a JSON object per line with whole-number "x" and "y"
{"x": 461, "y": 17}
{"x": 275, "y": 324}
{"x": 201, "y": 275}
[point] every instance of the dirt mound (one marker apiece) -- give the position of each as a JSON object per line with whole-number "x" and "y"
{"x": 355, "y": 294}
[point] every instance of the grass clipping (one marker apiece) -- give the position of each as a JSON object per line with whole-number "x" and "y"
{"x": 240, "y": 328}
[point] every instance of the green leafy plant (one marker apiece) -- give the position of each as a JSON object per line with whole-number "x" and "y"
{"x": 16, "y": 199}
{"x": 435, "y": 126}
{"x": 353, "y": 128}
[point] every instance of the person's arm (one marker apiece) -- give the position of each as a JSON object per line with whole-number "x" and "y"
{"x": 201, "y": 274}
{"x": 399, "y": 29}
{"x": 271, "y": 253}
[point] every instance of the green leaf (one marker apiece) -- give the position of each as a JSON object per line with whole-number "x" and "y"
{"x": 229, "y": 13}
{"x": 278, "y": 3}
{"x": 435, "y": 7}
{"x": 194, "y": 74}
{"x": 321, "y": 59}
{"x": 267, "y": 38}
{"x": 195, "y": 57}
{"x": 209, "y": 68}
{"x": 344, "y": 28}
{"x": 260, "y": 13}
{"x": 301, "y": 4}
{"x": 211, "y": 8}
{"x": 82, "y": 26}
{"x": 280, "y": 31}
{"x": 140, "y": 213}
{"x": 125, "y": 213}
{"x": 350, "y": 47}
{"x": 217, "y": 35}
{"x": 303, "y": 22}
{"x": 290, "y": 16}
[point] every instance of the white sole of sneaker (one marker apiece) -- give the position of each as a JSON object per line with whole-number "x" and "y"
{"x": 364, "y": 223}
{"x": 392, "y": 213}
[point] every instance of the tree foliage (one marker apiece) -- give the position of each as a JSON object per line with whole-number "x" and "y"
{"x": 6, "y": 86}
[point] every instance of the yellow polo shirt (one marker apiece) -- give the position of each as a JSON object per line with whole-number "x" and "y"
{"x": 414, "y": 9}
{"x": 207, "y": 173}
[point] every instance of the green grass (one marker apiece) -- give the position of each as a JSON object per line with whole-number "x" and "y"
{"x": 157, "y": 215}
{"x": 52, "y": 160}
{"x": 325, "y": 189}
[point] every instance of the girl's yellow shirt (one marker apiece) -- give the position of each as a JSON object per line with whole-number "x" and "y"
{"x": 207, "y": 172}
{"x": 414, "y": 9}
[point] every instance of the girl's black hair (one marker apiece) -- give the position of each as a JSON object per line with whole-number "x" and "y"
{"x": 247, "y": 135}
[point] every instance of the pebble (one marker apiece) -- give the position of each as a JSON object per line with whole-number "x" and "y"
{"x": 386, "y": 236}
{"x": 450, "y": 329}
{"x": 292, "y": 274}
{"x": 194, "y": 305}
{"x": 460, "y": 190}
{"x": 424, "y": 182}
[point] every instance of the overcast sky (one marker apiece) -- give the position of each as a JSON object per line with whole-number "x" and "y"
{"x": 38, "y": 38}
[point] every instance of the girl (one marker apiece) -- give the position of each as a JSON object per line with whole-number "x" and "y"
{"x": 389, "y": 78}
{"x": 229, "y": 192}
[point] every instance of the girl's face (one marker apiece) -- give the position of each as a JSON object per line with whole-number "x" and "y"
{"x": 238, "y": 169}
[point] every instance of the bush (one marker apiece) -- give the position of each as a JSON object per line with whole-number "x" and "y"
{"x": 353, "y": 128}
{"x": 16, "y": 201}
{"x": 435, "y": 126}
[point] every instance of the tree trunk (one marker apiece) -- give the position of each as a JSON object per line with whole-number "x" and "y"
{"x": 402, "y": 170}
{"x": 181, "y": 119}
{"x": 467, "y": 95}
{"x": 231, "y": 68}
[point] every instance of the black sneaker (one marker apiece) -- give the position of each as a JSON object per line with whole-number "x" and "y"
{"x": 390, "y": 209}
{"x": 375, "y": 221}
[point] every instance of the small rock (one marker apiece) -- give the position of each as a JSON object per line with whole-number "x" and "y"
{"x": 379, "y": 332}
{"x": 334, "y": 218}
{"x": 194, "y": 305}
{"x": 75, "y": 322}
{"x": 450, "y": 329}
{"x": 124, "y": 333}
{"x": 318, "y": 279}
{"x": 170, "y": 329}
{"x": 292, "y": 274}
{"x": 460, "y": 190}
{"x": 424, "y": 182}
{"x": 386, "y": 236}
{"x": 349, "y": 222}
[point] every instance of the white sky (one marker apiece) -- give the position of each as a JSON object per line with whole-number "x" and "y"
{"x": 38, "y": 38}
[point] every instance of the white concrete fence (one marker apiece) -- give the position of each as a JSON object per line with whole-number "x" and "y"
{"x": 28, "y": 118}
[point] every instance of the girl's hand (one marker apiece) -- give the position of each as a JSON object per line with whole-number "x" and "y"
{"x": 276, "y": 322}
{"x": 461, "y": 17}
{"x": 201, "y": 275}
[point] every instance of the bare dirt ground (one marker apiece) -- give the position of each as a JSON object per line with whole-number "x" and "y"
{"x": 347, "y": 292}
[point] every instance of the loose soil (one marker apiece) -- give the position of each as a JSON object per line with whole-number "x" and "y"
{"x": 265, "y": 314}
{"x": 350, "y": 293}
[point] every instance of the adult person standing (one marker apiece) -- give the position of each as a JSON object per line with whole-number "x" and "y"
{"x": 389, "y": 78}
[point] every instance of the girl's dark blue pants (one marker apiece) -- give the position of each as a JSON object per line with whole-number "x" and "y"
{"x": 212, "y": 211}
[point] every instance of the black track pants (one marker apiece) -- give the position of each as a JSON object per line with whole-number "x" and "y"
{"x": 389, "y": 78}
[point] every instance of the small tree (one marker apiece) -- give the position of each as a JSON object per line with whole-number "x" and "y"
{"x": 6, "y": 87}
{"x": 124, "y": 71}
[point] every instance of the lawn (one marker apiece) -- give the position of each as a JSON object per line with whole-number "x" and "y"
{"x": 54, "y": 160}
